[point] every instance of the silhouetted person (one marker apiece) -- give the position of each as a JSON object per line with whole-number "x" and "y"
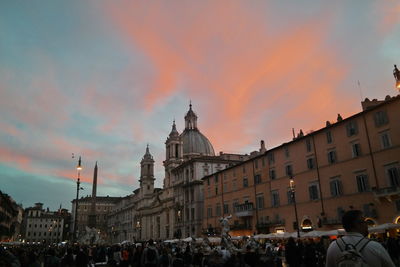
{"x": 355, "y": 241}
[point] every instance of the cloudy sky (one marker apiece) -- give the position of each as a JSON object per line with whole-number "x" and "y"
{"x": 101, "y": 79}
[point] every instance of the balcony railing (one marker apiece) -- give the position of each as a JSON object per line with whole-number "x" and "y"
{"x": 386, "y": 192}
{"x": 276, "y": 222}
{"x": 331, "y": 221}
{"x": 240, "y": 227}
{"x": 244, "y": 210}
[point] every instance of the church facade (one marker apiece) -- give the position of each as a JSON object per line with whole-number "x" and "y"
{"x": 176, "y": 210}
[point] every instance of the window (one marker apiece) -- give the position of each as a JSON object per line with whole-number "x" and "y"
{"x": 275, "y": 198}
{"x": 310, "y": 163}
{"x": 362, "y": 183}
{"x": 216, "y": 178}
{"x": 234, "y": 185}
{"x": 271, "y": 158}
{"x": 335, "y": 186}
{"x": 263, "y": 161}
{"x": 286, "y": 151}
{"x": 289, "y": 170}
{"x": 385, "y": 140}
{"x": 225, "y": 188}
{"x": 226, "y": 208}
{"x": 256, "y": 163}
{"x": 216, "y": 190}
{"x": 329, "y": 138}
{"x": 235, "y": 203}
{"x": 209, "y": 212}
{"x": 208, "y": 181}
{"x": 308, "y": 145}
{"x": 245, "y": 182}
{"x": 393, "y": 175}
{"x": 260, "y": 201}
{"x": 244, "y": 168}
{"x": 340, "y": 213}
{"x": 272, "y": 174}
{"x": 351, "y": 128}
{"x": 257, "y": 179}
{"x": 218, "y": 210}
{"x": 192, "y": 214}
{"x": 332, "y": 156}
{"x": 290, "y": 196}
{"x": 398, "y": 205}
{"x": 313, "y": 191}
{"x": 380, "y": 118}
{"x": 356, "y": 149}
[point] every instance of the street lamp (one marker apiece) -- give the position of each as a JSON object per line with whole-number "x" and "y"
{"x": 78, "y": 183}
{"x": 293, "y": 195}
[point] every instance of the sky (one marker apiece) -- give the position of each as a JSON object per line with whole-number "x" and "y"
{"x": 102, "y": 79}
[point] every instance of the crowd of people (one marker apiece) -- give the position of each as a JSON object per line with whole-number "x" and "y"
{"x": 289, "y": 252}
{"x": 245, "y": 253}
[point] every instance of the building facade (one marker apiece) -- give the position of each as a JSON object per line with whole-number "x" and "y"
{"x": 350, "y": 164}
{"x": 103, "y": 206}
{"x": 10, "y": 218}
{"x": 176, "y": 210}
{"x": 44, "y": 226}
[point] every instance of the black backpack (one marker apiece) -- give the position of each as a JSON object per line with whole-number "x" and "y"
{"x": 151, "y": 255}
{"x": 164, "y": 260}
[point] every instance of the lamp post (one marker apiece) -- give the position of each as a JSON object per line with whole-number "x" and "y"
{"x": 293, "y": 195}
{"x": 78, "y": 183}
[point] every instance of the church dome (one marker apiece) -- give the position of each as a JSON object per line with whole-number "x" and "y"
{"x": 194, "y": 142}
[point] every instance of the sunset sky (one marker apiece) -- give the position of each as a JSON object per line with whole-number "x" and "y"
{"x": 102, "y": 79}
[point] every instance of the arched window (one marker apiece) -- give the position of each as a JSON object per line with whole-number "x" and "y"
{"x": 306, "y": 225}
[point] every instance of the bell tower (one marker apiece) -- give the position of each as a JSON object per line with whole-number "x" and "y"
{"x": 173, "y": 157}
{"x": 147, "y": 173}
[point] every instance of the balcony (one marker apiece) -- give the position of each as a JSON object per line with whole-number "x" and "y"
{"x": 244, "y": 210}
{"x": 240, "y": 227}
{"x": 267, "y": 224}
{"x": 331, "y": 221}
{"x": 387, "y": 192}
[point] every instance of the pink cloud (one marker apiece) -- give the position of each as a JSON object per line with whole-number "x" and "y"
{"x": 236, "y": 65}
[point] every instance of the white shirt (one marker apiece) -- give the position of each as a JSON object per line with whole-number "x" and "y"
{"x": 373, "y": 253}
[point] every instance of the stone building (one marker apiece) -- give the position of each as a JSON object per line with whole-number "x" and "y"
{"x": 10, "y": 218}
{"x": 176, "y": 209}
{"x": 349, "y": 164}
{"x": 44, "y": 226}
{"x": 103, "y": 206}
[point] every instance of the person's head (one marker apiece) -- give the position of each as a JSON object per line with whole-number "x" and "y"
{"x": 354, "y": 221}
{"x": 151, "y": 242}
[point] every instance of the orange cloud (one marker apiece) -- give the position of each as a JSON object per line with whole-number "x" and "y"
{"x": 10, "y": 156}
{"x": 235, "y": 64}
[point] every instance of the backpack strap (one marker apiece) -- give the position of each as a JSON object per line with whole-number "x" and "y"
{"x": 362, "y": 244}
{"x": 341, "y": 244}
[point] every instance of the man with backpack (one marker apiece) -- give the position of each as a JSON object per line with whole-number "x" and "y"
{"x": 150, "y": 255}
{"x": 354, "y": 248}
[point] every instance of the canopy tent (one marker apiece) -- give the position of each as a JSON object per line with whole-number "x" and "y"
{"x": 172, "y": 241}
{"x": 333, "y": 232}
{"x": 382, "y": 228}
{"x": 261, "y": 236}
